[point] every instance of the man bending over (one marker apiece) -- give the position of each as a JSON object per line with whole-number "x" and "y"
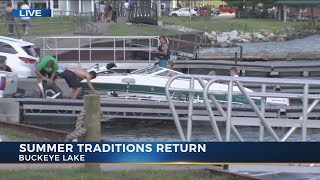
{"x": 74, "y": 76}
{"x": 47, "y": 68}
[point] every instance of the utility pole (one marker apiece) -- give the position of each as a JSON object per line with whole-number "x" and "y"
{"x": 190, "y": 9}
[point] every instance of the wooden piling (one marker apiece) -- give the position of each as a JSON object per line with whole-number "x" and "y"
{"x": 92, "y": 124}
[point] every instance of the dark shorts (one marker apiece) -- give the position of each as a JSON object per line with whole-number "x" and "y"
{"x": 48, "y": 75}
{"x": 71, "y": 79}
{"x": 26, "y": 22}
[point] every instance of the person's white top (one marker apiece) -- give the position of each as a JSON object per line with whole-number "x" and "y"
{"x": 25, "y": 6}
{"x": 126, "y": 5}
{"x": 101, "y": 8}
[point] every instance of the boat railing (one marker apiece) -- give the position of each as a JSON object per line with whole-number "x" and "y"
{"x": 83, "y": 48}
{"x": 231, "y": 121}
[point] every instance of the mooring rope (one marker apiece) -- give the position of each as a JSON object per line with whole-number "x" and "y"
{"x": 80, "y": 129}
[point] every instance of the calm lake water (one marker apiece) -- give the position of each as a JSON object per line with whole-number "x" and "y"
{"x": 126, "y": 130}
{"x": 291, "y": 176}
{"x": 147, "y": 131}
{"x": 131, "y": 130}
{"x": 308, "y": 44}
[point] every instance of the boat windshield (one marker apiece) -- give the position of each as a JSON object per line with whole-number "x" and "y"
{"x": 147, "y": 70}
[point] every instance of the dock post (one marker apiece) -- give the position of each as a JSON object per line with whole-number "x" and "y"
{"x": 236, "y": 57}
{"x": 92, "y": 124}
{"x": 241, "y": 53}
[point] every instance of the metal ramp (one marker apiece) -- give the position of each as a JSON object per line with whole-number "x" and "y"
{"x": 190, "y": 49}
{"x": 265, "y": 124}
{"x": 232, "y": 122}
{"x": 182, "y": 45}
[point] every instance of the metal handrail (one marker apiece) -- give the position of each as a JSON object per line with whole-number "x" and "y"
{"x": 54, "y": 39}
{"x": 144, "y": 12}
{"x": 199, "y": 45}
{"x": 81, "y": 25}
{"x": 102, "y": 37}
{"x": 208, "y": 97}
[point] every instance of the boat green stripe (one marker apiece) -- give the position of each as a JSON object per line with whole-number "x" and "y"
{"x": 158, "y": 91}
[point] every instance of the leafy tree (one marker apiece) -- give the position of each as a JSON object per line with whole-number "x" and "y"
{"x": 240, "y": 4}
{"x": 252, "y": 3}
{"x": 312, "y": 23}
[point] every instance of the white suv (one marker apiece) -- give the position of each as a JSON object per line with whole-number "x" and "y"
{"x": 21, "y": 56}
{"x": 184, "y": 12}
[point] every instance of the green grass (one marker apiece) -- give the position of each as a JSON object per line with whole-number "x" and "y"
{"x": 205, "y": 24}
{"x": 14, "y": 135}
{"x": 116, "y": 175}
{"x": 127, "y": 30}
{"x": 209, "y": 24}
{"x": 43, "y": 26}
{"x": 63, "y": 24}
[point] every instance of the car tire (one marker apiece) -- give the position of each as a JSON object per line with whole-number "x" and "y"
{"x": 194, "y": 15}
{"x": 174, "y": 15}
{"x": 50, "y": 90}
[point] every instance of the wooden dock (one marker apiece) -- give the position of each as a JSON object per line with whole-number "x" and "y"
{"x": 260, "y": 56}
{"x": 64, "y": 111}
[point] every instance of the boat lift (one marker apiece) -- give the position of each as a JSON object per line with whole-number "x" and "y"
{"x": 232, "y": 115}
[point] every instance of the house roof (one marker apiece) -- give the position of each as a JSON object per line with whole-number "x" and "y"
{"x": 299, "y": 2}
